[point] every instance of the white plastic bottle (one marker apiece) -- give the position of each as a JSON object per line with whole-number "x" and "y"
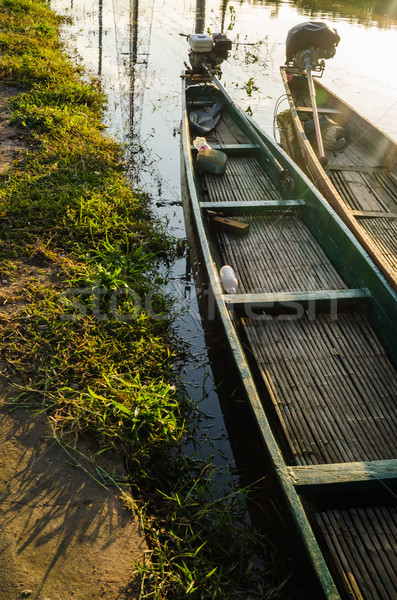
{"x": 201, "y": 143}
{"x": 228, "y": 279}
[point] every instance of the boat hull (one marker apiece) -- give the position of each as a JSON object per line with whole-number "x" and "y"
{"x": 310, "y": 303}
{"x": 360, "y": 179}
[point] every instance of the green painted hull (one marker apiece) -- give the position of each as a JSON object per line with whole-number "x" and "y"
{"x": 364, "y": 288}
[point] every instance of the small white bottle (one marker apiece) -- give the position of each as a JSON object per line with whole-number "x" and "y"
{"x": 228, "y": 279}
{"x": 201, "y": 143}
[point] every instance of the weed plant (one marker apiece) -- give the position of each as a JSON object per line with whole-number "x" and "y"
{"x": 87, "y": 329}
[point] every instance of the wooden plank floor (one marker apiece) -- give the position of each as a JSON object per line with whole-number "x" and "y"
{"x": 363, "y": 544}
{"x": 363, "y": 183}
{"x": 372, "y": 190}
{"x": 354, "y": 154}
{"x": 279, "y": 254}
{"x": 335, "y": 390}
{"x": 227, "y": 132}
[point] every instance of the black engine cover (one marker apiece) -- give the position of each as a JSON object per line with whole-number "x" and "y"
{"x": 313, "y": 34}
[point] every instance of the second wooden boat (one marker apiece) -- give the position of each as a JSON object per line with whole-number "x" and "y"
{"x": 312, "y": 331}
{"x": 360, "y": 178}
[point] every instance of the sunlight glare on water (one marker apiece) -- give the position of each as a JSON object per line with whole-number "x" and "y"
{"x": 362, "y": 72}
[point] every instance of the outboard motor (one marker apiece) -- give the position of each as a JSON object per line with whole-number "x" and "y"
{"x": 207, "y": 53}
{"x": 307, "y": 45}
{"x": 313, "y": 40}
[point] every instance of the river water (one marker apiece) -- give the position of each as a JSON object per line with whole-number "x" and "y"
{"x": 138, "y": 48}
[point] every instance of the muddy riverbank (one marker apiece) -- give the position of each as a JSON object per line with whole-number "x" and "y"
{"x": 63, "y": 535}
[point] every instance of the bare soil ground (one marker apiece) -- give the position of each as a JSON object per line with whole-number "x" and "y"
{"x": 62, "y": 534}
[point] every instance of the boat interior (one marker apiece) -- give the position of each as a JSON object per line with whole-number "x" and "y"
{"x": 310, "y": 336}
{"x": 363, "y": 171}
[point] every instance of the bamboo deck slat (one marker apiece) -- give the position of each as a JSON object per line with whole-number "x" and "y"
{"x": 383, "y": 233}
{"x": 244, "y": 180}
{"x": 363, "y": 544}
{"x": 328, "y": 388}
{"x": 279, "y": 255}
{"x": 335, "y": 387}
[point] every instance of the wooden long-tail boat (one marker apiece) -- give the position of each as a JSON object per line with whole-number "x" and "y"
{"x": 312, "y": 330}
{"x": 360, "y": 177}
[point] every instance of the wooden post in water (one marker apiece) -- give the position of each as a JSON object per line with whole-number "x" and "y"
{"x": 200, "y": 16}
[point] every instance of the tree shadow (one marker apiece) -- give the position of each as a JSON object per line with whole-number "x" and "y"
{"x": 54, "y": 515}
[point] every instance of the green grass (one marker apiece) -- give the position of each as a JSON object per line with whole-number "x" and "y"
{"x": 84, "y": 255}
{"x": 203, "y": 548}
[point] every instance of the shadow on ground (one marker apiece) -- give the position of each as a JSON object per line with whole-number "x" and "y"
{"x": 62, "y": 534}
